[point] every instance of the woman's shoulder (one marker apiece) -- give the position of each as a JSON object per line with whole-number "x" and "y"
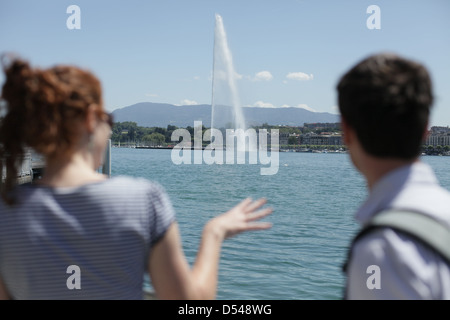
{"x": 133, "y": 184}
{"x": 130, "y": 181}
{"x": 138, "y": 191}
{"x": 114, "y": 189}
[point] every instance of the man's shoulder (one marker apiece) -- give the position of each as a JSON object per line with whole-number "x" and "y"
{"x": 395, "y": 229}
{"x": 397, "y": 262}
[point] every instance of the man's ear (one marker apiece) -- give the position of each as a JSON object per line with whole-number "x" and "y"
{"x": 347, "y": 132}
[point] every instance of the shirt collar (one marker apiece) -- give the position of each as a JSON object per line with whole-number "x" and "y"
{"x": 389, "y": 186}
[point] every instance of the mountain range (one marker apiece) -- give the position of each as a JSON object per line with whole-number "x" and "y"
{"x": 149, "y": 114}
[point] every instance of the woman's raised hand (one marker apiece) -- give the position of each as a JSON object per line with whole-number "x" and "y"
{"x": 241, "y": 218}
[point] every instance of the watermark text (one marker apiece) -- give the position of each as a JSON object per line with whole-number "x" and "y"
{"x": 374, "y": 20}
{"x": 374, "y": 280}
{"x": 74, "y": 280}
{"x": 237, "y": 147}
{"x": 74, "y": 20}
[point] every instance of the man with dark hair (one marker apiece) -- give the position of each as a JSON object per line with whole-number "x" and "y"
{"x": 400, "y": 253}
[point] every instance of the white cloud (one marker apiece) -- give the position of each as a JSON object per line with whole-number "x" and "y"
{"x": 238, "y": 76}
{"x": 263, "y": 76}
{"x": 262, "y": 104}
{"x": 335, "y": 110}
{"x": 300, "y": 76}
{"x": 306, "y": 107}
{"x": 151, "y": 95}
{"x": 187, "y": 102}
{"x": 301, "y": 106}
{"x": 197, "y": 78}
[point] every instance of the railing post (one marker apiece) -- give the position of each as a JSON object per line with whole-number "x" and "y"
{"x": 106, "y": 169}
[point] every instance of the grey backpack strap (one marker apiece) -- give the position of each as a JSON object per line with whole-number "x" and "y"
{"x": 431, "y": 232}
{"x": 423, "y": 227}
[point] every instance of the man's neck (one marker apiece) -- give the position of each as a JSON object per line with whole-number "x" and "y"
{"x": 374, "y": 168}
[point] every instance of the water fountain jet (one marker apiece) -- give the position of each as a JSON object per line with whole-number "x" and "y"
{"x": 226, "y": 108}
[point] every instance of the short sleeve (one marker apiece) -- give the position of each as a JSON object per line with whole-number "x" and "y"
{"x": 163, "y": 214}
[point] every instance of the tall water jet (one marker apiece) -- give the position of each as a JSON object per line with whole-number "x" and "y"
{"x": 226, "y": 109}
{"x": 230, "y": 141}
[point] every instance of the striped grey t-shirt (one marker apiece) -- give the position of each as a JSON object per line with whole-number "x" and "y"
{"x": 87, "y": 242}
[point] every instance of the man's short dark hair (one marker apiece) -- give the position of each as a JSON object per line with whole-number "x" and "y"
{"x": 387, "y": 99}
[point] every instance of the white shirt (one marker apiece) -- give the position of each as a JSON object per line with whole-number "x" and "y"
{"x": 404, "y": 269}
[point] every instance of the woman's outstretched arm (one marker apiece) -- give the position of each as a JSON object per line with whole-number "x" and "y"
{"x": 171, "y": 275}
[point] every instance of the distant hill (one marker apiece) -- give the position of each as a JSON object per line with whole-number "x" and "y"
{"x": 148, "y": 114}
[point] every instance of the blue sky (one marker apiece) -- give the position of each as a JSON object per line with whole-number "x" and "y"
{"x": 286, "y": 52}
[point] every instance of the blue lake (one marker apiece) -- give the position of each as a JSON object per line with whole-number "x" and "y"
{"x": 314, "y": 197}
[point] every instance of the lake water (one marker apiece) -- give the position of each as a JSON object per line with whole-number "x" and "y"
{"x": 314, "y": 197}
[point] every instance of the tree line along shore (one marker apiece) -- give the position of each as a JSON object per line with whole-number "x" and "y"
{"x": 129, "y": 134}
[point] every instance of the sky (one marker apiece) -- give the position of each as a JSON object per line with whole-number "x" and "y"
{"x": 286, "y": 53}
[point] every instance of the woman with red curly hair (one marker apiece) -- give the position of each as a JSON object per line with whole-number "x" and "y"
{"x": 110, "y": 232}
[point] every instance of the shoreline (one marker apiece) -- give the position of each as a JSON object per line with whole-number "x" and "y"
{"x": 293, "y": 150}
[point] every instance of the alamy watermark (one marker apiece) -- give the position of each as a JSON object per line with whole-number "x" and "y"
{"x": 74, "y": 20}
{"x": 374, "y": 20}
{"x": 230, "y": 146}
{"x": 374, "y": 280}
{"x": 74, "y": 280}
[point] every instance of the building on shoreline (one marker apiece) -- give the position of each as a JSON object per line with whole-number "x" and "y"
{"x": 438, "y": 136}
{"x": 325, "y": 138}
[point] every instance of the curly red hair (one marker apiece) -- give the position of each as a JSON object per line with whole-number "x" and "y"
{"x": 41, "y": 106}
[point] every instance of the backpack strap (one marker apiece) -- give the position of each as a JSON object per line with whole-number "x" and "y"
{"x": 423, "y": 228}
